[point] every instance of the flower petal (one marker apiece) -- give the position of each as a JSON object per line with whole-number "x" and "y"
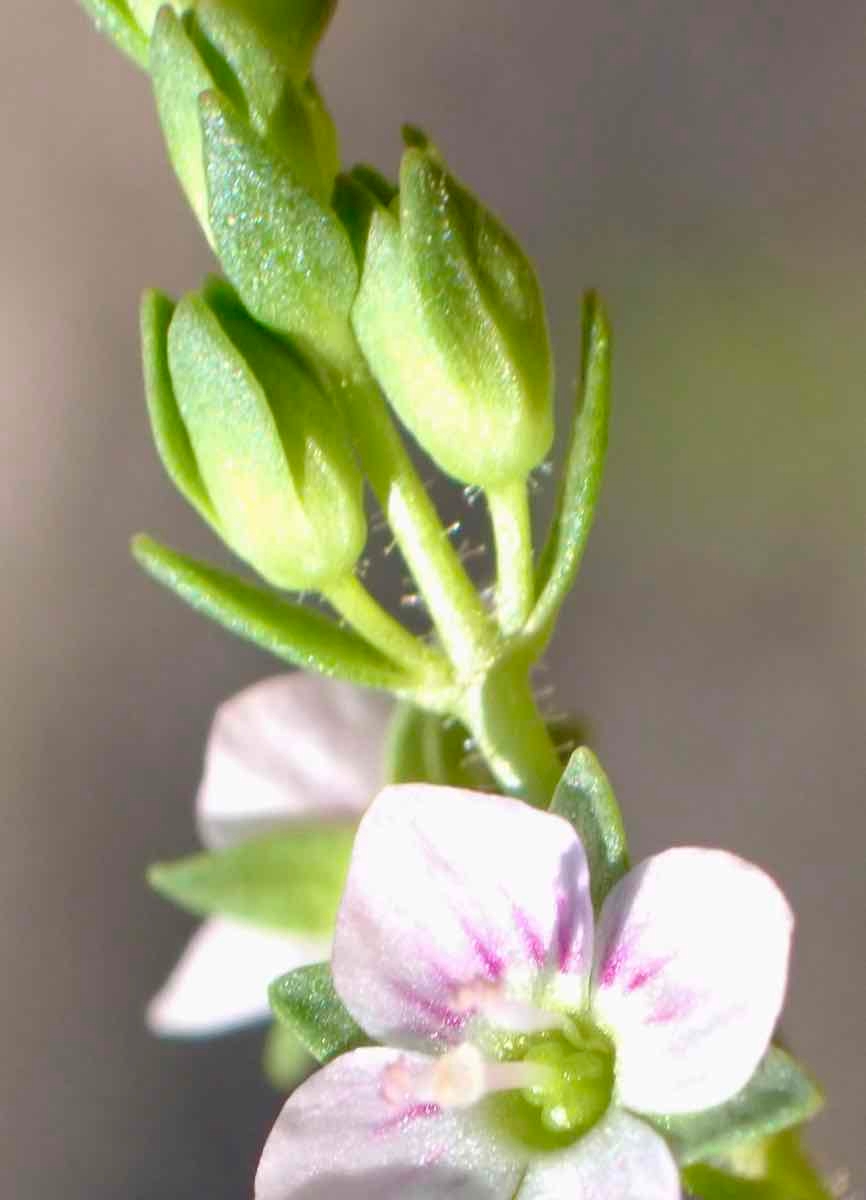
{"x": 290, "y": 747}
{"x": 453, "y": 894}
{"x": 345, "y": 1134}
{"x": 620, "y": 1159}
{"x": 691, "y": 966}
{"x": 221, "y": 981}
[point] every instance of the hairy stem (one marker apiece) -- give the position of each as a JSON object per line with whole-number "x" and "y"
{"x": 512, "y": 534}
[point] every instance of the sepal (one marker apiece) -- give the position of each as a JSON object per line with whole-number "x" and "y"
{"x": 115, "y": 19}
{"x": 285, "y": 252}
{"x": 585, "y": 798}
{"x": 779, "y": 1096}
{"x": 306, "y": 1003}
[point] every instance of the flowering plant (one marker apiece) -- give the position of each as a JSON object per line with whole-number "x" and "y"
{"x": 500, "y": 1005}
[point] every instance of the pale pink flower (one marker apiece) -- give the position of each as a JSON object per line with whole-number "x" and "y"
{"x": 291, "y": 748}
{"x": 520, "y": 1041}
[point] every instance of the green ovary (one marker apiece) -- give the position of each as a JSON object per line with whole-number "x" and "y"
{"x": 572, "y": 1093}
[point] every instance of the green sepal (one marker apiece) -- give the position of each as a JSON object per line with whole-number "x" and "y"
{"x": 586, "y": 800}
{"x": 286, "y": 1062}
{"x": 169, "y": 432}
{"x": 306, "y": 1002}
{"x": 779, "y": 1096}
{"x": 385, "y": 191}
{"x": 781, "y": 1170}
{"x": 115, "y": 20}
{"x": 581, "y": 478}
{"x": 297, "y": 635}
{"x": 180, "y": 75}
{"x": 290, "y": 881}
{"x": 266, "y": 42}
{"x": 288, "y": 256}
{"x": 357, "y": 197}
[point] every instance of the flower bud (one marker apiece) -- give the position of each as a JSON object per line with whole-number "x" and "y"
{"x": 205, "y": 50}
{"x": 451, "y": 320}
{"x": 283, "y": 32}
{"x": 253, "y": 439}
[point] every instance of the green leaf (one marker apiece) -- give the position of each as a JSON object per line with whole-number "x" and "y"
{"x": 169, "y": 432}
{"x": 293, "y": 633}
{"x": 778, "y": 1096}
{"x": 585, "y": 798}
{"x": 114, "y": 19}
{"x": 179, "y": 76}
{"x": 581, "y": 480}
{"x": 285, "y": 1060}
{"x": 306, "y": 1002}
{"x": 291, "y": 880}
{"x": 288, "y": 256}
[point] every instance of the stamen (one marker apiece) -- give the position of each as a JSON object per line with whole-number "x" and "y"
{"x": 489, "y": 1000}
{"x": 459, "y": 1079}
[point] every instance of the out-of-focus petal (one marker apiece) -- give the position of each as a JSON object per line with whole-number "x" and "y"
{"x": 221, "y": 981}
{"x": 691, "y": 967}
{"x": 291, "y": 747}
{"x": 346, "y": 1134}
{"x": 453, "y": 894}
{"x": 621, "y": 1159}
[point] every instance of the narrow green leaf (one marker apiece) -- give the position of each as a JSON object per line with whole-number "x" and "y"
{"x": 169, "y": 432}
{"x": 581, "y": 480}
{"x": 778, "y": 1096}
{"x": 291, "y": 880}
{"x": 114, "y": 19}
{"x": 288, "y": 256}
{"x": 585, "y": 798}
{"x": 285, "y": 1060}
{"x": 306, "y": 1002}
{"x": 293, "y": 633}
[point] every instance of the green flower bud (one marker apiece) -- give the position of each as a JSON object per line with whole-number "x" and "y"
{"x": 205, "y": 50}
{"x": 256, "y": 36}
{"x": 253, "y": 440}
{"x": 451, "y": 320}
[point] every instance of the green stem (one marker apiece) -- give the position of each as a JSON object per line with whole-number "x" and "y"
{"x": 463, "y": 625}
{"x": 512, "y": 532}
{"x": 502, "y": 716}
{"x": 353, "y": 602}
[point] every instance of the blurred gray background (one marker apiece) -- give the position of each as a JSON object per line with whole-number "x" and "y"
{"x": 705, "y": 166}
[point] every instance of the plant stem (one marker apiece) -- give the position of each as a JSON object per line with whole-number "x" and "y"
{"x": 464, "y": 626}
{"x": 512, "y": 532}
{"x": 364, "y": 613}
{"x": 502, "y": 716}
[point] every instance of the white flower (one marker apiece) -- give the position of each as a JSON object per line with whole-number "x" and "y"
{"x": 520, "y": 1042}
{"x": 289, "y": 748}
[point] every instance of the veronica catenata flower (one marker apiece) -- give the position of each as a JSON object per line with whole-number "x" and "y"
{"x": 291, "y": 748}
{"x": 519, "y": 1041}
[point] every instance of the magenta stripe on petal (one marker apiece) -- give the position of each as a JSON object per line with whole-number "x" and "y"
{"x": 447, "y": 1016}
{"x": 493, "y": 963}
{"x": 646, "y": 974}
{"x": 414, "y": 1112}
{"x": 531, "y": 940}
